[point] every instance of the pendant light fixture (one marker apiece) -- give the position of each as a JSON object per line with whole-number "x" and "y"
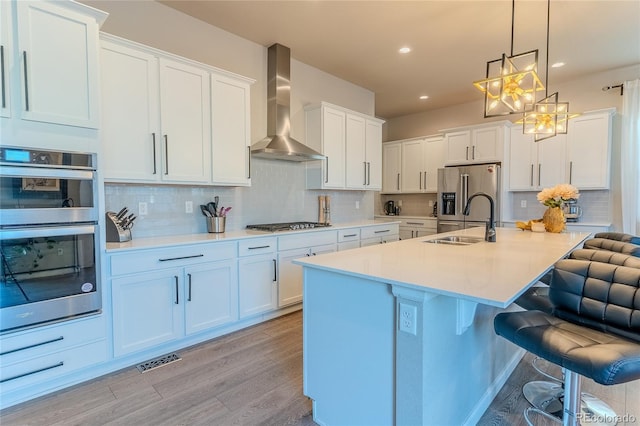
{"x": 548, "y": 117}
{"x": 511, "y": 82}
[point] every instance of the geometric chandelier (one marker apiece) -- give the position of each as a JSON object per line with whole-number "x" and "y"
{"x": 511, "y": 82}
{"x": 548, "y": 117}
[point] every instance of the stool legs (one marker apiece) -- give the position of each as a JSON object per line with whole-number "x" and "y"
{"x": 571, "y": 398}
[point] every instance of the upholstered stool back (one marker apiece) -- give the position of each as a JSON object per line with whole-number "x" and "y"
{"x": 619, "y": 236}
{"x": 606, "y": 256}
{"x": 599, "y": 295}
{"x": 613, "y": 245}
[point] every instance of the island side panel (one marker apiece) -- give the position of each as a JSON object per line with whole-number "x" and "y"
{"x": 349, "y": 341}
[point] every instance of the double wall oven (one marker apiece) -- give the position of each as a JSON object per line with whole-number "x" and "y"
{"x": 49, "y": 242}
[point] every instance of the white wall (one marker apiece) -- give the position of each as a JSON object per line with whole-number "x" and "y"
{"x": 278, "y": 188}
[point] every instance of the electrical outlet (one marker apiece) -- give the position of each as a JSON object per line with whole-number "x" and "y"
{"x": 142, "y": 208}
{"x": 523, "y": 204}
{"x": 408, "y": 314}
{"x": 188, "y": 206}
{"x": 357, "y": 205}
{"x": 399, "y": 203}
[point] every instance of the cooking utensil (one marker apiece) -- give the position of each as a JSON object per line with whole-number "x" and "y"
{"x": 224, "y": 211}
{"x": 204, "y": 210}
{"x": 121, "y": 213}
{"x": 212, "y": 208}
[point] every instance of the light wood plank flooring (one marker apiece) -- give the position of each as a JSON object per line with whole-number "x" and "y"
{"x": 251, "y": 377}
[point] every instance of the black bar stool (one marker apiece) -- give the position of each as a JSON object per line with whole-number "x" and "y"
{"x": 594, "y": 330}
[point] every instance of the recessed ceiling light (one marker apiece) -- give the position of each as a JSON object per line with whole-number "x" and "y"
{"x": 423, "y": 97}
{"x": 557, "y": 65}
{"x": 404, "y": 49}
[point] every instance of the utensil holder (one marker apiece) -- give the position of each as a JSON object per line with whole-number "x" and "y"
{"x": 216, "y": 224}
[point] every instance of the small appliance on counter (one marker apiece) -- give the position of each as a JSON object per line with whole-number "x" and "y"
{"x": 391, "y": 209}
{"x": 119, "y": 226}
{"x": 572, "y": 211}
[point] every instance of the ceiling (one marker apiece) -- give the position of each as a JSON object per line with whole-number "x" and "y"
{"x": 451, "y": 41}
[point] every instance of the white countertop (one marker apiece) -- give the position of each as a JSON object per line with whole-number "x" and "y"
{"x": 175, "y": 240}
{"x": 488, "y": 273}
{"x": 403, "y": 217}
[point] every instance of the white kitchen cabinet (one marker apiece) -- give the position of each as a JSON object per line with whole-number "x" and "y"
{"x": 325, "y": 132}
{"x": 416, "y": 227}
{"x": 50, "y": 96}
{"x": 391, "y": 167}
{"x": 211, "y": 295}
{"x": 257, "y": 276}
{"x": 231, "y": 132}
{"x": 477, "y": 144}
{"x": 295, "y": 246}
{"x": 379, "y": 234}
{"x": 6, "y": 58}
{"x": 352, "y": 144}
{"x": 589, "y": 150}
{"x": 535, "y": 165}
{"x": 348, "y": 238}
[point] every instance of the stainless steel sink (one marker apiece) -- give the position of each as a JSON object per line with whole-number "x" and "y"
{"x": 456, "y": 240}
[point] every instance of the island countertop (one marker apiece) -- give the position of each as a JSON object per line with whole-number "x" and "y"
{"x": 488, "y": 273}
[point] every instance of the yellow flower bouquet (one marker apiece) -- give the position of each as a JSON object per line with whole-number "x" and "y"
{"x": 556, "y": 196}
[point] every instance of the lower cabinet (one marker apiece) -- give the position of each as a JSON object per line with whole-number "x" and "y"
{"x": 414, "y": 228}
{"x": 379, "y": 234}
{"x": 258, "y": 276}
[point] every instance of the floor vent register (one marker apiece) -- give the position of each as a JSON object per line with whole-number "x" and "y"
{"x": 158, "y": 362}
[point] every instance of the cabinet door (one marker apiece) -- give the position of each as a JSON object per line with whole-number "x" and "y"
{"x": 457, "y": 146}
{"x": 588, "y": 151}
{"x": 290, "y": 276}
{"x": 147, "y": 310}
{"x": 412, "y": 166}
{"x": 257, "y": 284}
{"x": 374, "y": 155}
{"x": 58, "y": 51}
{"x": 185, "y": 121}
{"x": 486, "y": 144}
{"x": 333, "y": 147}
{"x": 6, "y": 58}
{"x": 391, "y": 166}
{"x": 355, "y": 145}
{"x": 130, "y": 114}
{"x": 433, "y": 160}
{"x": 406, "y": 233}
{"x": 211, "y": 295}
{"x": 551, "y": 162}
{"x": 230, "y": 123}
{"x": 522, "y": 161}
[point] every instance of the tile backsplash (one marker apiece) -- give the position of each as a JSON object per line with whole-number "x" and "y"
{"x": 596, "y": 206}
{"x": 277, "y": 194}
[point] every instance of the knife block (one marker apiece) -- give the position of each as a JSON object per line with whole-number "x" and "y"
{"x": 115, "y": 232}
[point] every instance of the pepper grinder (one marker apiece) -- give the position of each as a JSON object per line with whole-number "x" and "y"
{"x": 327, "y": 210}
{"x": 321, "y": 208}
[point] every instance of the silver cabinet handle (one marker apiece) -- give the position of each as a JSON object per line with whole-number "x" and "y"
{"x": 167, "y": 259}
{"x": 539, "y": 173}
{"x": 35, "y": 345}
{"x": 166, "y": 154}
{"x": 26, "y": 81}
{"x": 4, "y": 98}
{"x": 368, "y": 173}
{"x": 570, "y": 171}
{"x": 416, "y": 223}
{"x": 249, "y": 161}
{"x": 153, "y": 137}
{"x": 189, "y": 291}
{"x": 466, "y": 155}
{"x": 177, "y": 290}
{"x": 326, "y": 169}
{"x": 473, "y": 152}
{"x": 381, "y": 231}
{"x": 531, "y": 177}
{"x": 350, "y": 235}
{"x": 420, "y": 180}
{"x": 258, "y": 247}
{"x": 364, "y": 163}
{"x": 60, "y": 364}
{"x": 275, "y": 270}
{"x": 425, "y": 179}
{"x": 398, "y": 181}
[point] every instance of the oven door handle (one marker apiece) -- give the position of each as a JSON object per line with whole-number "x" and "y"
{"x": 48, "y": 172}
{"x": 47, "y": 231}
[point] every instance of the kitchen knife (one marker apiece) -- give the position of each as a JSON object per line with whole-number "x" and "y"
{"x": 121, "y": 213}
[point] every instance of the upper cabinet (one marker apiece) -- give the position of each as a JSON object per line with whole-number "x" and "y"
{"x": 49, "y": 71}
{"x": 581, "y": 157}
{"x": 411, "y": 166}
{"x": 477, "y": 144}
{"x": 167, "y": 119}
{"x": 352, "y": 145}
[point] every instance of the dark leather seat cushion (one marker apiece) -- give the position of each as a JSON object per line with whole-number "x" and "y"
{"x": 619, "y": 236}
{"x": 605, "y": 256}
{"x": 604, "y": 357}
{"x": 613, "y": 245}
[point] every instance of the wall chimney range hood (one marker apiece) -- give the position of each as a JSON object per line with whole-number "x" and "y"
{"x": 278, "y": 145}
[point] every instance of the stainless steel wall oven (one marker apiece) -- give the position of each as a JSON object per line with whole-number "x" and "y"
{"x": 48, "y": 237}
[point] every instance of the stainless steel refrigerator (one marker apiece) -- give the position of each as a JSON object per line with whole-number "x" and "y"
{"x": 456, "y": 185}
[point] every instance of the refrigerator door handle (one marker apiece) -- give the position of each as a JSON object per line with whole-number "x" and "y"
{"x": 464, "y": 191}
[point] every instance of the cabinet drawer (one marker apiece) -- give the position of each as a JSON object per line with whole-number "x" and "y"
{"x": 378, "y": 231}
{"x": 257, "y": 246}
{"x": 348, "y": 245}
{"x": 306, "y": 239}
{"x": 53, "y": 338}
{"x": 51, "y": 365}
{"x": 146, "y": 260}
{"x": 345, "y": 235}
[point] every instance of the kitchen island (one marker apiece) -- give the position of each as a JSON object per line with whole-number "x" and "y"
{"x": 402, "y": 333}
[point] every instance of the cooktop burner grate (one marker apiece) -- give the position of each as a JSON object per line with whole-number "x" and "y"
{"x": 287, "y": 226}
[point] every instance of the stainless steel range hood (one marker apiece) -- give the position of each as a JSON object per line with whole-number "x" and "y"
{"x": 278, "y": 145}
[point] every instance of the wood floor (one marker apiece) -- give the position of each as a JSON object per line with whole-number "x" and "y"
{"x": 251, "y": 377}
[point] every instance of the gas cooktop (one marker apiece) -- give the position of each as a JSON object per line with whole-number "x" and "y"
{"x": 287, "y": 226}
